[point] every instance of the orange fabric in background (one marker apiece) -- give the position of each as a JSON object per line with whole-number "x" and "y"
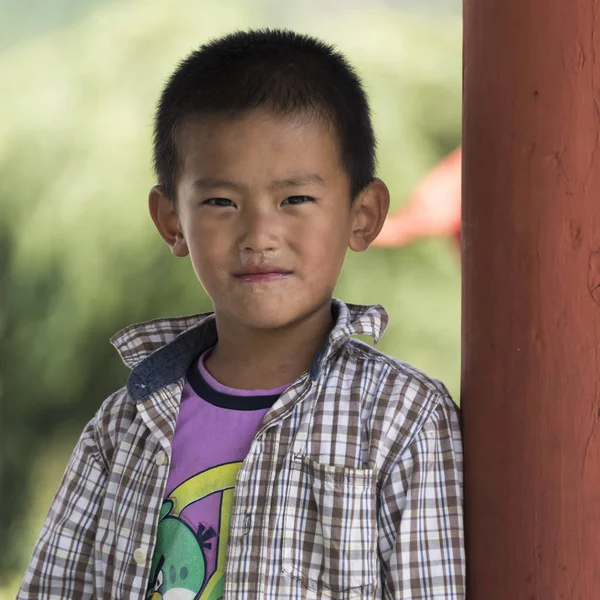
{"x": 432, "y": 209}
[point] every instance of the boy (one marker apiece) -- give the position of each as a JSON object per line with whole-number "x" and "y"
{"x": 258, "y": 451}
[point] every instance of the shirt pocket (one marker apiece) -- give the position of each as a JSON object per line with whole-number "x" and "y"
{"x": 330, "y": 529}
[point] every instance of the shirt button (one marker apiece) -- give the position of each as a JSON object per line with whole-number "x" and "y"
{"x": 140, "y": 555}
{"x": 161, "y": 458}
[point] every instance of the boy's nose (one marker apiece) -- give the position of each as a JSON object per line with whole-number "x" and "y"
{"x": 259, "y": 233}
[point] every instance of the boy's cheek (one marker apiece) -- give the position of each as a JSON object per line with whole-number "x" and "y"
{"x": 209, "y": 243}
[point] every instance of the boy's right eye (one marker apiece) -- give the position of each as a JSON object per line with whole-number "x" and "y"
{"x": 218, "y": 202}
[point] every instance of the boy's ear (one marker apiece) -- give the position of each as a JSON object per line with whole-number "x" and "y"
{"x": 165, "y": 217}
{"x": 370, "y": 209}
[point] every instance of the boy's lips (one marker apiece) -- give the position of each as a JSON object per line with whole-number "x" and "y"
{"x": 261, "y": 273}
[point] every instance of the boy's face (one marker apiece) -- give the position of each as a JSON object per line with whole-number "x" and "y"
{"x": 264, "y": 211}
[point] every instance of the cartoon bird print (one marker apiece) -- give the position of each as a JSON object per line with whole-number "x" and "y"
{"x": 179, "y": 566}
{"x": 180, "y": 573}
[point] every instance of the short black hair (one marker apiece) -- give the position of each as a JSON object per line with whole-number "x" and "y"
{"x": 275, "y": 69}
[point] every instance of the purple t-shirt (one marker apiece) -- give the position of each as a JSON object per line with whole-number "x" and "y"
{"x": 214, "y": 432}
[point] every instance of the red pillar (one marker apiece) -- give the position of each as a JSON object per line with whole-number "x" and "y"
{"x": 531, "y": 298}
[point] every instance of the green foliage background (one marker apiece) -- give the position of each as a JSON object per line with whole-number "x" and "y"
{"x": 79, "y": 257}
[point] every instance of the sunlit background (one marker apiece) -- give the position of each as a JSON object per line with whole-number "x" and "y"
{"x": 79, "y": 256}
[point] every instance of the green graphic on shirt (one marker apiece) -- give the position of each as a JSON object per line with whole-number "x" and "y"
{"x": 179, "y": 563}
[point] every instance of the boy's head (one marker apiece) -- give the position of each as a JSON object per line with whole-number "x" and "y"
{"x": 281, "y": 72}
{"x": 264, "y": 152}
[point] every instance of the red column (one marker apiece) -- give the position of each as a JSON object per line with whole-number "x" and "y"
{"x": 531, "y": 304}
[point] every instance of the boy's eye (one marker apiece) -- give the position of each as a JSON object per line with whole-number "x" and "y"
{"x": 298, "y": 200}
{"x": 218, "y": 202}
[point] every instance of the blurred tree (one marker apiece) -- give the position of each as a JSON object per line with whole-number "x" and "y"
{"x": 79, "y": 257}
{"x": 26, "y": 19}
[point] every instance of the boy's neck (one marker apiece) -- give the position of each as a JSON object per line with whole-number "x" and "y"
{"x": 265, "y": 359}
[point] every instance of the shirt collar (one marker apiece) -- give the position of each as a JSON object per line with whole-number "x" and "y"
{"x": 160, "y": 351}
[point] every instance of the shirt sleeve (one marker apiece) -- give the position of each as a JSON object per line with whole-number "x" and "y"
{"x": 61, "y": 565}
{"x": 421, "y": 541}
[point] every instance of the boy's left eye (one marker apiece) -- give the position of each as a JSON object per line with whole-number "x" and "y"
{"x": 298, "y": 200}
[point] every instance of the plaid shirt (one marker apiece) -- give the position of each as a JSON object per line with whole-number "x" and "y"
{"x": 352, "y": 487}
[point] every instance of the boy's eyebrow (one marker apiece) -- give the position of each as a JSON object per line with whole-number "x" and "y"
{"x": 295, "y": 180}
{"x": 210, "y": 182}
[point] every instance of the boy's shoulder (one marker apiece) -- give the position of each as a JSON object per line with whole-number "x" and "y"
{"x": 377, "y": 366}
{"x": 393, "y": 390}
{"x": 395, "y": 399}
{"x": 136, "y": 344}
{"x": 393, "y": 367}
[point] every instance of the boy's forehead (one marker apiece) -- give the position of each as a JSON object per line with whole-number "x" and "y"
{"x": 299, "y": 146}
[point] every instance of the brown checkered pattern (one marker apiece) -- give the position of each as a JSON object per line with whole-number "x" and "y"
{"x": 351, "y": 488}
